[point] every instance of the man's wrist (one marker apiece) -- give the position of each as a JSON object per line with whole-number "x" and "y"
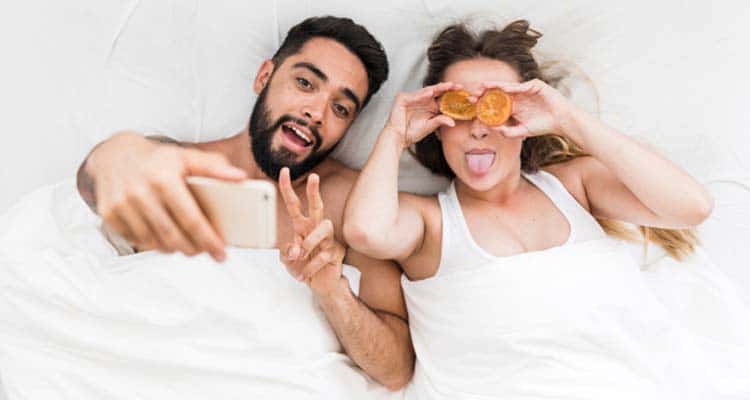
{"x": 333, "y": 294}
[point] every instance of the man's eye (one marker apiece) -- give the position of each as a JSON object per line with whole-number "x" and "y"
{"x": 341, "y": 110}
{"x": 304, "y": 83}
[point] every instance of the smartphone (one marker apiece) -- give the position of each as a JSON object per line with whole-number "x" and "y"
{"x": 244, "y": 213}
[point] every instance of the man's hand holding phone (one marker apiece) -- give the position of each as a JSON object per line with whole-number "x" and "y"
{"x": 140, "y": 191}
{"x": 314, "y": 256}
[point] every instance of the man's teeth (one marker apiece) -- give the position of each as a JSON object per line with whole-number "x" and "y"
{"x": 300, "y": 134}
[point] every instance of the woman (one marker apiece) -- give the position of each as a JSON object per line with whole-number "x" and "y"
{"x": 512, "y": 287}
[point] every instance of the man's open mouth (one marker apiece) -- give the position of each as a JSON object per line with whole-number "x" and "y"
{"x": 297, "y": 135}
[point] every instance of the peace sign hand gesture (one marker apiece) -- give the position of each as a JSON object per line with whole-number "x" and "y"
{"x": 314, "y": 256}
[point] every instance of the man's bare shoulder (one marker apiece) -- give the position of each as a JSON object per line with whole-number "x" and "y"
{"x": 336, "y": 177}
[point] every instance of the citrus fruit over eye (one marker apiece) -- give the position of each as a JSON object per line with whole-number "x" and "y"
{"x": 455, "y": 104}
{"x": 494, "y": 107}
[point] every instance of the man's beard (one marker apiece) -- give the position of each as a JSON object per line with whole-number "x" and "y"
{"x": 272, "y": 161}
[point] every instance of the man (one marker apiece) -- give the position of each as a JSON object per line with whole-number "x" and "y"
{"x": 309, "y": 93}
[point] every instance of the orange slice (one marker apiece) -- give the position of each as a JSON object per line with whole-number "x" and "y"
{"x": 455, "y": 104}
{"x": 494, "y": 107}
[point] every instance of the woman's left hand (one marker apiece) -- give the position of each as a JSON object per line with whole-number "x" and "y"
{"x": 538, "y": 108}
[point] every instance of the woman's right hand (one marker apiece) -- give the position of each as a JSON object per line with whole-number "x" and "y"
{"x": 415, "y": 115}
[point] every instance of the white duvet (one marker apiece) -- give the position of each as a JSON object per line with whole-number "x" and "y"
{"x": 79, "y": 322}
{"x": 579, "y": 322}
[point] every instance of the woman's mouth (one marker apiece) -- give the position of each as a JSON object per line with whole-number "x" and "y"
{"x": 479, "y": 161}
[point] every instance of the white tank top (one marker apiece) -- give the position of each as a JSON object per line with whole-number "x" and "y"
{"x": 459, "y": 248}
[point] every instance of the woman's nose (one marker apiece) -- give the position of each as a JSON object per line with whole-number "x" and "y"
{"x": 478, "y": 129}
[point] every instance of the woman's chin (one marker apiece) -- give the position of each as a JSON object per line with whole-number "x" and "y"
{"x": 478, "y": 182}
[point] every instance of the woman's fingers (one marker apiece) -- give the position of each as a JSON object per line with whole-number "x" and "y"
{"x": 430, "y": 92}
{"x": 439, "y": 120}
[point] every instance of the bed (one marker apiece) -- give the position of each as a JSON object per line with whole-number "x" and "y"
{"x": 76, "y": 321}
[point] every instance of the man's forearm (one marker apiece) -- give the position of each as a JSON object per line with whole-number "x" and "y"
{"x": 378, "y": 342}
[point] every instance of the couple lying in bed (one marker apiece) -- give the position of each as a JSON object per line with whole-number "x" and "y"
{"x": 512, "y": 285}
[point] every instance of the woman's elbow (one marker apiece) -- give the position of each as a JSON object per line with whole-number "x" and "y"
{"x": 357, "y": 236}
{"x": 701, "y": 210}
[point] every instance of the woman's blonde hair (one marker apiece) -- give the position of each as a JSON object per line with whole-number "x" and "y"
{"x": 512, "y": 45}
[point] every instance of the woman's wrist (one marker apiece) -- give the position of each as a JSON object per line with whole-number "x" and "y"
{"x": 575, "y": 123}
{"x": 394, "y": 138}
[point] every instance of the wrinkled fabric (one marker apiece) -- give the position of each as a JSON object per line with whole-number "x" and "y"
{"x": 80, "y": 322}
{"x": 580, "y": 321}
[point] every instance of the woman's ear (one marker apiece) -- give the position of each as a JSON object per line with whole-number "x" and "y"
{"x": 263, "y": 76}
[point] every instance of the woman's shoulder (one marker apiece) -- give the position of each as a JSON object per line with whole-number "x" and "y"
{"x": 570, "y": 173}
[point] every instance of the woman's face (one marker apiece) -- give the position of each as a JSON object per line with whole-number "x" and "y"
{"x": 478, "y": 154}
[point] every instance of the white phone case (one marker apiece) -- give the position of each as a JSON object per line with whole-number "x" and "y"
{"x": 244, "y": 212}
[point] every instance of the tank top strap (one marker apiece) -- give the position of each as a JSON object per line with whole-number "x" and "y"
{"x": 457, "y": 244}
{"x": 583, "y": 226}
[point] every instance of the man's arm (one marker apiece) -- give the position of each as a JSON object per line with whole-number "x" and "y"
{"x": 85, "y": 180}
{"x": 373, "y": 328}
{"x": 137, "y": 186}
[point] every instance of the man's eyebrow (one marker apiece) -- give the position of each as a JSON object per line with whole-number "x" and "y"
{"x": 315, "y": 70}
{"x": 320, "y": 74}
{"x": 353, "y": 97}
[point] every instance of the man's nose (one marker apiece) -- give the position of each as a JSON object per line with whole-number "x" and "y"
{"x": 314, "y": 109}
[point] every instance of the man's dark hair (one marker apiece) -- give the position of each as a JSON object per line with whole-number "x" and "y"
{"x": 351, "y": 35}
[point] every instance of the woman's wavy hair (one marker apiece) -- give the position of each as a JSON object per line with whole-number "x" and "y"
{"x": 512, "y": 45}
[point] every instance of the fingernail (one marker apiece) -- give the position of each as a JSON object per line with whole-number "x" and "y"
{"x": 293, "y": 252}
{"x": 300, "y": 278}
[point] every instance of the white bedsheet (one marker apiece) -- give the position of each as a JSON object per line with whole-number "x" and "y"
{"x": 78, "y": 322}
{"x": 579, "y": 322}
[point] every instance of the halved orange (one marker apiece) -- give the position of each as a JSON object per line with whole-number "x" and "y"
{"x": 494, "y": 107}
{"x": 455, "y": 104}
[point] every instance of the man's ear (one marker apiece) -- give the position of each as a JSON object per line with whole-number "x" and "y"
{"x": 263, "y": 76}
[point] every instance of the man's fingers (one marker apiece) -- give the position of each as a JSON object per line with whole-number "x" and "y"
{"x": 193, "y": 222}
{"x": 323, "y": 232}
{"x": 295, "y": 251}
{"x": 161, "y": 222}
{"x": 116, "y": 223}
{"x": 138, "y": 229}
{"x": 314, "y": 200}
{"x": 333, "y": 256}
{"x": 211, "y": 165}
{"x": 291, "y": 201}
